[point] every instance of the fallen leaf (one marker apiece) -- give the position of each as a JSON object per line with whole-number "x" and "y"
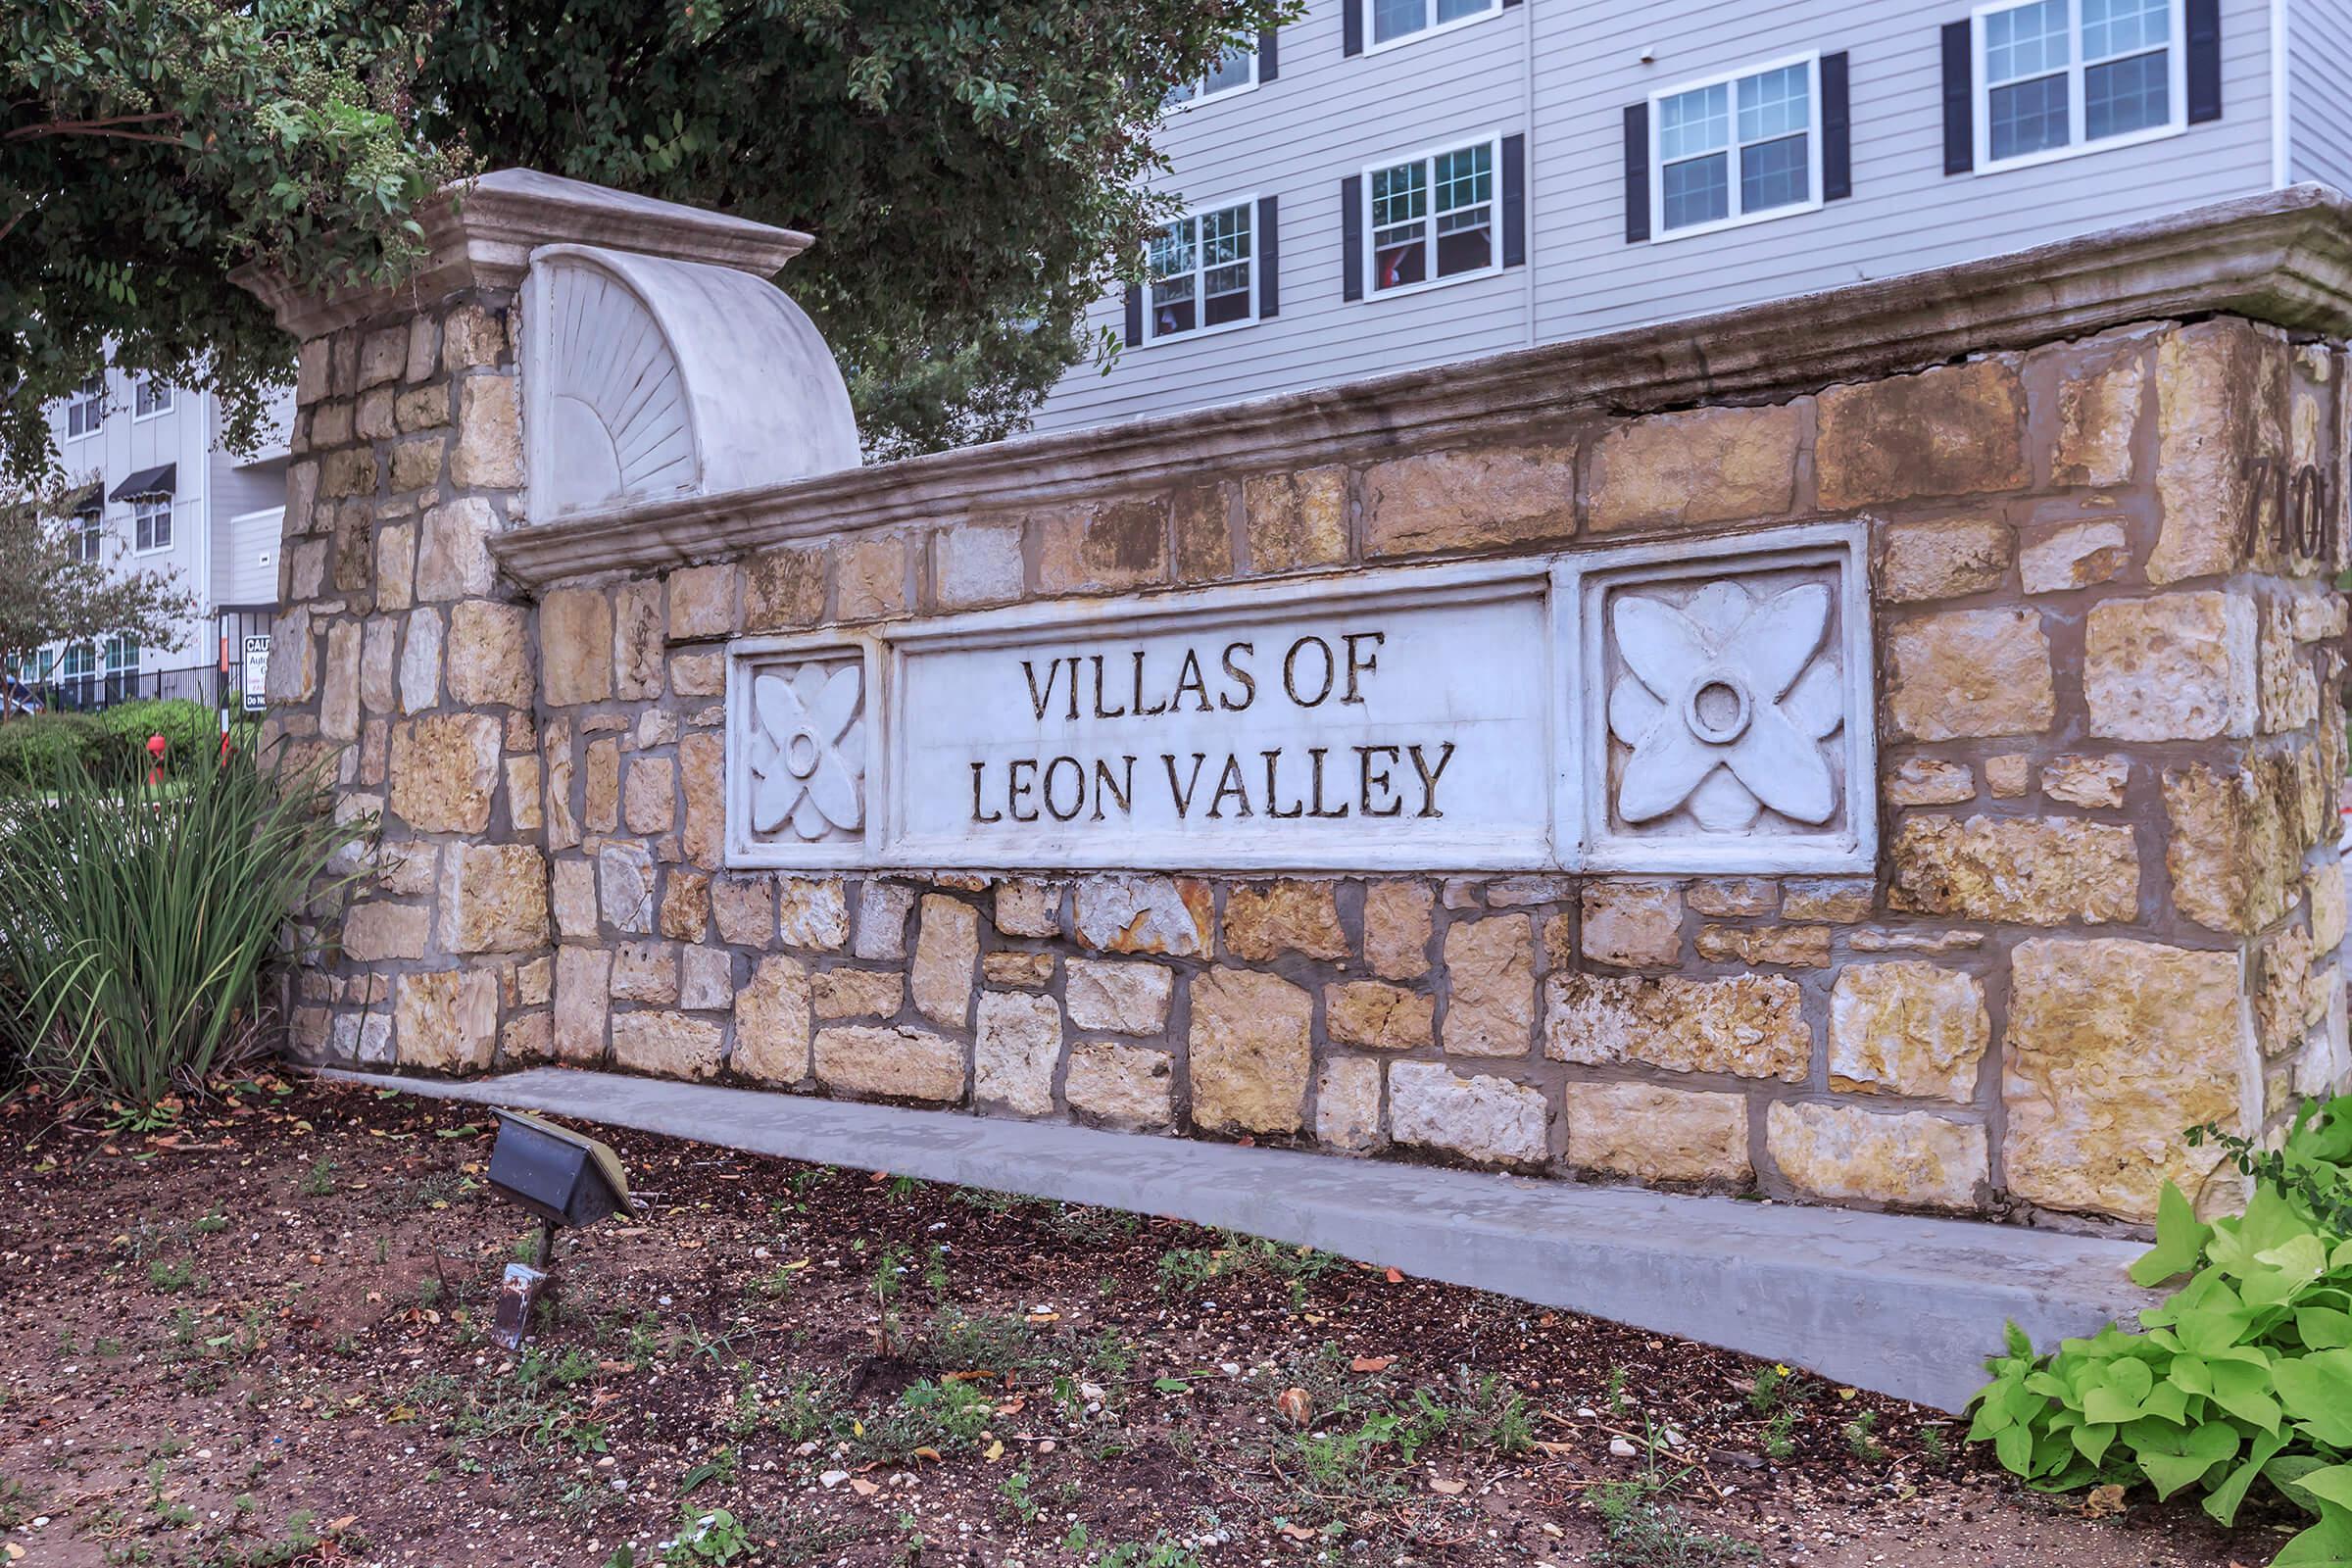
{"x": 335, "y": 1527}
{"x": 927, "y": 1454}
{"x": 1299, "y": 1532}
{"x": 1372, "y": 1363}
{"x": 1393, "y": 1277}
{"x": 2103, "y": 1502}
{"x": 1448, "y": 1488}
{"x": 1297, "y": 1406}
{"x": 862, "y": 1487}
{"x": 995, "y": 1451}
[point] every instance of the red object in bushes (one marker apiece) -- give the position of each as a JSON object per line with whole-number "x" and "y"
{"x": 156, "y": 746}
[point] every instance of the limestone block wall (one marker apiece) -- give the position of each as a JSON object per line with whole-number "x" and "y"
{"x": 402, "y": 667}
{"x": 2105, "y": 902}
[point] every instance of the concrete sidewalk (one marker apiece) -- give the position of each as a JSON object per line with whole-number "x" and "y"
{"x": 1905, "y": 1305}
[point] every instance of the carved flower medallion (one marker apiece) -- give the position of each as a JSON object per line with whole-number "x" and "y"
{"x": 807, "y": 756}
{"x": 1727, "y": 699}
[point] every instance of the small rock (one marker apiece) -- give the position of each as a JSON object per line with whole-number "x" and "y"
{"x": 1621, "y": 1448}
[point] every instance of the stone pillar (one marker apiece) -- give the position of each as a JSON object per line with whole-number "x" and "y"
{"x": 404, "y": 666}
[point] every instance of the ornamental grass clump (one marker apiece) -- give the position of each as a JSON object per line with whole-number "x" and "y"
{"x": 2242, "y": 1377}
{"x": 136, "y": 921}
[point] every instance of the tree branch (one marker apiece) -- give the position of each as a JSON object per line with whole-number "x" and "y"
{"x": 78, "y": 127}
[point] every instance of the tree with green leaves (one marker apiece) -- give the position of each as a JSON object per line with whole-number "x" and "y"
{"x": 149, "y": 146}
{"x": 974, "y": 170}
{"x": 53, "y": 591}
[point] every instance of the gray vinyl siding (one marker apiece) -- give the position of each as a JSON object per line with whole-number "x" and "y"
{"x": 1324, "y": 117}
{"x": 1327, "y": 115}
{"x": 249, "y": 502}
{"x": 1905, "y": 214}
{"x": 2318, "y": 91}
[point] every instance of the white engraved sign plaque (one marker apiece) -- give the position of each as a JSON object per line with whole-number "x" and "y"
{"x": 1645, "y": 706}
{"x": 1382, "y": 728}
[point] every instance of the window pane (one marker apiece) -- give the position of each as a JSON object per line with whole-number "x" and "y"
{"x": 1775, "y": 103}
{"x": 1172, "y": 249}
{"x": 1465, "y": 240}
{"x": 1400, "y": 194}
{"x": 1394, "y": 265}
{"x": 1394, "y": 19}
{"x": 1697, "y": 191}
{"x": 1775, "y": 173}
{"x": 2124, "y": 27}
{"x": 1184, "y": 92}
{"x": 2028, "y": 117}
{"x": 1234, "y": 71}
{"x": 1456, "y": 10}
{"x": 1464, "y": 178}
{"x": 1172, "y": 307}
{"x": 1225, "y": 263}
{"x": 2026, "y": 41}
{"x": 2127, "y": 95}
{"x": 1692, "y": 123}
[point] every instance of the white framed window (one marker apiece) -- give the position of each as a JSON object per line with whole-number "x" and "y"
{"x": 1393, "y": 21}
{"x": 151, "y": 524}
{"x": 86, "y": 407}
{"x": 122, "y": 656}
{"x": 1237, "y": 73}
{"x": 1433, "y": 217}
{"x": 89, "y": 535}
{"x": 1203, "y": 271}
{"x": 150, "y": 397}
{"x": 1736, "y": 148}
{"x": 2057, "y": 77}
{"x": 79, "y": 659}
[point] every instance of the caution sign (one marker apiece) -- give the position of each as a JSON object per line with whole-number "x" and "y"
{"x": 257, "y": 672}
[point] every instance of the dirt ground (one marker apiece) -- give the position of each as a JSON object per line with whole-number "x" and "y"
{"x": 259, "y": 1337}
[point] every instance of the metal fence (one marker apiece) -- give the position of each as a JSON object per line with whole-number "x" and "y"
{"x": 241, "y": 639}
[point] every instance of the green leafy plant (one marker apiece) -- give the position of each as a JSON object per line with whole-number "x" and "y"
{"x": 2242, "y": 1375}
{"x": 135, "y": 924}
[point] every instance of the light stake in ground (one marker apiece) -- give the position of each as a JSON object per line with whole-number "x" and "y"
{"x": 563, "y": 1177}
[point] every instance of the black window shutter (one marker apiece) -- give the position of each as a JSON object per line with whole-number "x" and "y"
{"x": 1514, "y": 1}
{"x": 1514, "y": 201}
{"x": 1959, "y": 97}
{"x": 1135, "y": 315}
{"x": 2204, "y": 21}
{"x": 1836, "y": 131}
{"x": 1269, "y": 58}
{"x": 1352, "y": 29}
{"x": 1637, "y": 173}
{"x": 1269, "y": 259}
{"x": 1352, "y": 233}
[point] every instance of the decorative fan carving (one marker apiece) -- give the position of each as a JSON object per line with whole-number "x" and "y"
{"x": 613, "y": 396}
{"x": 648, "y": 378}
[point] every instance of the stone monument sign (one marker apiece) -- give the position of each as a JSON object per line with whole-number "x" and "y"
{"x": 1874, "y": 749}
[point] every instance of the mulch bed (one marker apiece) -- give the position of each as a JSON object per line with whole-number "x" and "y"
{"x": 259, "y": 1337}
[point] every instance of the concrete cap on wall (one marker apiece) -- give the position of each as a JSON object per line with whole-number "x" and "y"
{"x": 480, "y": 233}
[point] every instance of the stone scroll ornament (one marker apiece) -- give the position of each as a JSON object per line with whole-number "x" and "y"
{"x": 1727, "y": 701}
{"x": 809, "y": 751}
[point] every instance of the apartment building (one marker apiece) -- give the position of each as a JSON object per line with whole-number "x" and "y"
{"x": 1392, "y": 184}
{"x": 154, "y": 488}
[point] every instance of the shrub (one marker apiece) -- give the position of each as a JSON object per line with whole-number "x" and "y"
{"x": 2243, "y": 1375}
{"x": 141, "y": 921}
{"x": 34, "y": 748}
{"x": 191, "y": 732}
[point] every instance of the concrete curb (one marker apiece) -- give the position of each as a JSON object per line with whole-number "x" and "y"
{"x": 1901, "y": 1305}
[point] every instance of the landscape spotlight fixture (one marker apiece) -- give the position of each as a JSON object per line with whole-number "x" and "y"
{"x": 563, "y": 1177}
